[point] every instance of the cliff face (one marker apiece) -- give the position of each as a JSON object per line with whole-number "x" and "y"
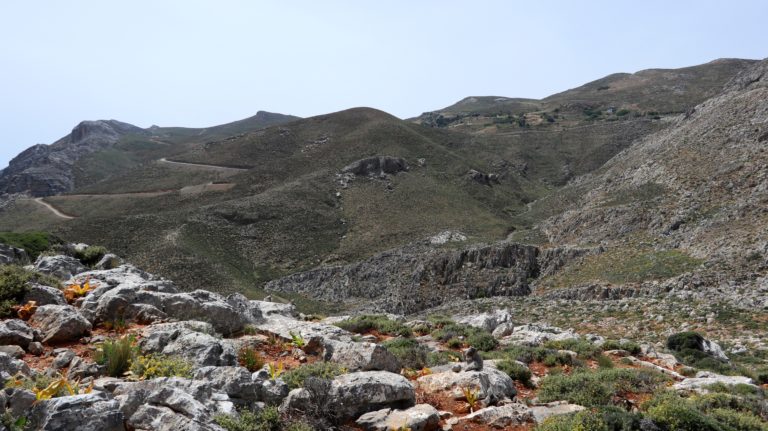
{"x": 45, "y": 170}
{"x": 412, "y": 279}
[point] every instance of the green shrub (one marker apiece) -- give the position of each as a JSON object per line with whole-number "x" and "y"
{"x": 629, "y": 346}
{"x": 324, "y": 370}
{"x": 159, "y": 365}
{"x": 480, "y": 339}
{"x": 674, "y": 413}
{"x": 582, "y": 347}
{"x": 441, "y": 358}
{"x": 685, "y": 340}
{"x": 367, "y": 322}
{"x": 91, "y": 255}
{"x": 581, "y": 421}
{"x": 516, "y": 371}
{"x": 34, "y": 243}
{"x": 439, "y": 321}
{"x": 250, "y": 358}
{"x": 410, "y": 353}
{"x": 14, "y": 281}
{"x": 528, "y": 355}
{"x": 117, "y": 355}
{"x": 267, "y": 419}
{"x": 742, "y": 421}
{"x": 604, "y": 362}
{"x": 593, "y": 389}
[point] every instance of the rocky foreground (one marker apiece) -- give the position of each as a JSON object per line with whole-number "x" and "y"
{"x": 112, "y": 347}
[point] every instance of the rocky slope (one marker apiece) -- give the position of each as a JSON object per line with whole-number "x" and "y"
{"x": 195, "y": 363}
{"x": 44, "y": 170}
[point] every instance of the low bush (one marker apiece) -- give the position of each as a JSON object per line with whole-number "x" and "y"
{"x": 250, "y": 358}
{"x": 582, "y": 347}
{"x": 34, "y": 243}
{"x": 158, "y": 365}
{"x": 14, "y": 281}
{"x": 267, "y": 419}
{"x": 529, "y": 355}
{"x": 594, "y": 389}
{"x": 688, "y": 348}
{"x": 91, "y": 255}
{"x": 441, "y": 358}
{"x": 480, "y": 339}
{"x": 674, "y": 413}
{"x": 629, "y": 346}
{"x": 117, "y": 355}
{"x": 367, "y": 322}
{"x": 516, "y": 371}
{"x": 324, "y": 370}
{"x": 410, "y": 353}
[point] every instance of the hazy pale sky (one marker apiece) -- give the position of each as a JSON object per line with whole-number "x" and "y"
{"x": 201, "y": 63}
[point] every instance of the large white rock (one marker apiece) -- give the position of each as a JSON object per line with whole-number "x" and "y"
{"x": 500, "y": 416}
{"x": 421, "y": 417}
{"x": 60, "y": 323}
{"x": 492, "y": 385}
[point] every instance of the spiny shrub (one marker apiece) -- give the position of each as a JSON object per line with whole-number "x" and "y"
{"x": 410, "y": 353}
{"x": 629, "y": 346}
{"x": 34, "y": 243}
{"x": 250, "y": 358}
{"x": 367, "y": 322}
{"x": 582, "y": 347}
{"x": 674, "y": 413}
{"x": 593, "y": 389}
{"x": 158, "y": 365}
{"x": 267, "y": 419}
{"x": 14, "y": 281}
{"x": 91, "y": 255}
{"x": 516, "y": 371}
{"x": 324, "y": 370}
{"x": 117, "y": 355}
{"x": 480, "y": 339}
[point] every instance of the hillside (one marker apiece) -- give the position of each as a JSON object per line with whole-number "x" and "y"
{"x": 236, "y": 206}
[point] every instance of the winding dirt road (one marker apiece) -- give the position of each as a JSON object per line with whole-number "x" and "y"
{"x": 53, "y": 209}
{"x": 203, "y": 165}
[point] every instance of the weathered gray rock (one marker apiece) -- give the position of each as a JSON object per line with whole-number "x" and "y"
{"x": 269, "y": 308}
{"x": 703, "y": 379}
{"x": 283, "y": 326}
{"x": 169, "y": 404}
{"x": 492, "y": 385}
{"x": 421, "y": 417}
{"x": 60, "y": 323}
{"x": 12, "y": 255}
{"x": 44, "y": 295}
{"x": 190, "y": 340}
{"x": 487, "y": 321}
{"x": 20, "y": 401}
{"x": 208, "y": 307}
{"x": 92, "y": 412}
{"x": 350, "y": 395}
{"x": 360, "y": 356}
{"x": 713, "y": 349}
{"x": 80, "y": 368}
{"x": 63, "y": 358}
{"x": 536, "y": 334}
{"x": 16, "y": 332}
{"x": 35, "y": 348}
{"x": 63, "y": 267}
{"x": 234, "y": 381}
{"x": 271, "y": 391}
{"x": 13, "y": 351}
{"x": 503, "y": 330}
{"x": 500, "y": 416}
{"x": 109, "y": 261}
{"x": 542, "y": 412}
{"x": 376, "y": 166}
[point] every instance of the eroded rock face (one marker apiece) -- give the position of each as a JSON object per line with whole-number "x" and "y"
{"x": 94, "y": 411}
{"x": 232, "y": 380}
{"x": 487, "y": 321}
{"x": 169, "y": 404}
{"x": 350, "y": 395}
{"x": 360, "y": 356}
{"x": 420, "y": 278}
{"x": 377, "y": 166}
{"x": 60, "y": 323}
{"x": 492, "y": 385}
{"x": 703, "y": 379}
{"x": 63, "y": 267}
{"x": 9, "y": 366}
{"x": 45, "y": 170}
{"x": 44, "y": 295}
{"x": 421, "y": 417}
{"x": 191, "y": 340}
{"x": 500, "y": 416}
{"x": 12, "y": 255}
{"x": 15, "y": 332}
{"x": 536, "y": 334}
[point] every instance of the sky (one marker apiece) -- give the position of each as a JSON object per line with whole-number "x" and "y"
{"x": 201, "y": 63}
